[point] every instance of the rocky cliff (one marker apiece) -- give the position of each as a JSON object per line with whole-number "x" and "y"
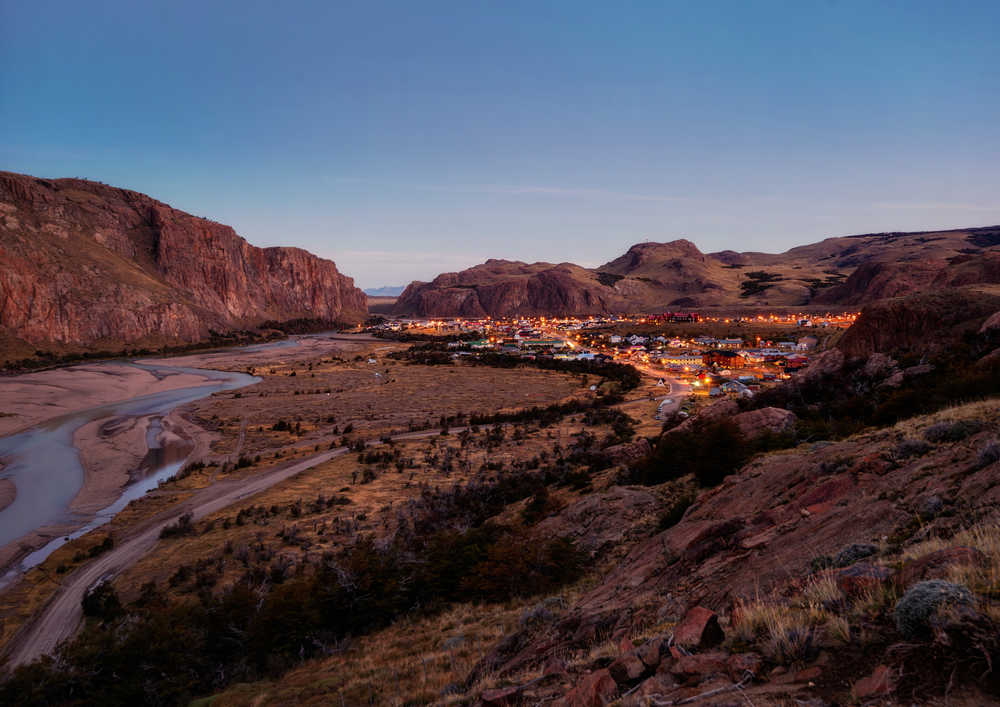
{"x": 84, "y": 264}
{"x": 650, "y": 277}
{"x": 501, "y": 288}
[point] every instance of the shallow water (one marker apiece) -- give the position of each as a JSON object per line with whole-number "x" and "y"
{"x": 45, "y": 466}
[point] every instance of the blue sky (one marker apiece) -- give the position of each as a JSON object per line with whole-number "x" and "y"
{"x": 404, "y": 139}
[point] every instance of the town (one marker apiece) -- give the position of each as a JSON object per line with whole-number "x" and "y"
{"x": 674, "y": 348}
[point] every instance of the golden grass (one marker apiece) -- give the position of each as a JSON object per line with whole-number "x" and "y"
{"x": 411, "y": 662}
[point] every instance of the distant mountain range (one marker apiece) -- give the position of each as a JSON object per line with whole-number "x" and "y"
{"x": 387, "y": 291}
{"x": 83, "y": 264}
{"x": 844, "y": 271}
{"x": 86, "y": 264}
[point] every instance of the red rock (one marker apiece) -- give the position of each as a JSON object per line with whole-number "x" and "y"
{"x": 502, "y": 696}
{"x": 699, "y": 629}
{"x": 739, "y": 664}
{"x": 661, "y": 684}
{"x": 936, "y": 564}
{"x": 769, "y": 420}
{"x": 141, "y": 270}
{"x": 827, "y": 491}
{"x": 700, "y": 665}
{"x": 649, "y": 652}
{"x": 879, "y": 684}
{"x": 593, "y": 690}
{"x": 862, "y": 577}
{"x": 627, "y": 669}
{"x": 554, "y": 666}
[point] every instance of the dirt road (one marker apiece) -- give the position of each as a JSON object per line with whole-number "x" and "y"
{"x": 62, "y": 615}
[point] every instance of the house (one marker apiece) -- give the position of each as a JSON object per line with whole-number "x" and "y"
{"x": 680, "y": 360}
{"x": 615, "y": 339}
{"x": 806, "y": 343}
{"x": 723, "y": 359}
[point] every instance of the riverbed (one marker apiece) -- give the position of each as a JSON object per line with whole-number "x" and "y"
{"x": 43, "y": 463}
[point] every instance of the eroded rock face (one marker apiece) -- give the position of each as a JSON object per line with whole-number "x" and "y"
{"x": 82, "y": 263}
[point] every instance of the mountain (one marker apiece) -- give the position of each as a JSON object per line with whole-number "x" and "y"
{"x": 502, "y": 288}
{"x": 85, "y": 264}
{"x": 388, "y": 291}
{"x": 843, "y": 271}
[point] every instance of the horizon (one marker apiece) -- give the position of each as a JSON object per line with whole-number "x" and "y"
{"x": 402, "y": 143}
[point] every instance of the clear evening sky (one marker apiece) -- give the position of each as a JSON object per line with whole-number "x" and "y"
{"x": 408, "y": 138}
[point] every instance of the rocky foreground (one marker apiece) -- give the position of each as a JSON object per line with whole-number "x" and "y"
{"x": 86, "y": 264}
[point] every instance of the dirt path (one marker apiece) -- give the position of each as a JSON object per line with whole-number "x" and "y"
{"x": 62, "y": 616}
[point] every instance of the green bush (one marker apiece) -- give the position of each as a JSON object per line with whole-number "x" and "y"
{"x": 924, "y": 604}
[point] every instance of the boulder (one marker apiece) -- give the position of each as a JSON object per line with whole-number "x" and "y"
{"x": 595, "y": 689}
{"x": 769, "y": 420}
{"x": 657, "y": 686}
{"x": 629, "y": 452}
{"x": 650, "y": 652}
{"x": 699, "y": 629}
{"x": 627, "y": 669}
{"x": 879, "y": 684}
{"x": 862, "y": 578}
{"x": 739, "y": 664}
{"x": 698, "y": 666}
{"x": 936, "y": 564}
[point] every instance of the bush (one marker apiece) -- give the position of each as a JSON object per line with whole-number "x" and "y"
{"x": 709, "y": 449}
{"x": 852, "y": 553}
{"x": 101, "y": 602}
{"x": 924, "y": 603}
{"x": 911, "y": 448}
{"x": 183, "y": 526}
{"x": 990, "y": 454}
{"x": 951, "y": 430}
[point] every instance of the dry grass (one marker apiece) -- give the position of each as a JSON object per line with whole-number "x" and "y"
{"x": 411, "y": 662}
{"x": 983, "y": 579}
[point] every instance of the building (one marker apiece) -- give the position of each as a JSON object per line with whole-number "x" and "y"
{"x": 723, "y": 359}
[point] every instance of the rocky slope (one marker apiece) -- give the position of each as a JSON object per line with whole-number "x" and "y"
{"x": 85, "y": 264}
{"x": 650, "y": 277}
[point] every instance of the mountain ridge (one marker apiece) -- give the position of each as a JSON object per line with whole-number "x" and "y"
{"x": 652, "y": 276}
{"x": 87, "y": 264}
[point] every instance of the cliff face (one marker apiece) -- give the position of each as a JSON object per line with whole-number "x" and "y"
{"x": 82, "y": 263}
{"x": 501, "y": 288}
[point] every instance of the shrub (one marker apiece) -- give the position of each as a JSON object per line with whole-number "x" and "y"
{"x": 709, "y": 449}
{"x": 923, "y": 604}
{"x": 672, "y": 515}
{"x": 989, "y": 454}
{"x": 183, "y": 526}
{"x": 852, "y": 553}
{"x": 951, "y": 430}
{"x": 911, "y": 448}
{"x": 101, "y": 602}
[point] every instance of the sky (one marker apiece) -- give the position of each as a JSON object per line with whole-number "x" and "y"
{"x": 404, "y": 139}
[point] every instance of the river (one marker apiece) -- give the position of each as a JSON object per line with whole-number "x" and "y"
{"x": 45, "y": 466}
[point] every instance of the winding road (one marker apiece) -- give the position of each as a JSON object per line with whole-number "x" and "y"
{"x": 62, "y": 616}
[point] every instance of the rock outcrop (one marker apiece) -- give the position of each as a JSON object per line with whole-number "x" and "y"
{"x": 84, "y": 264}
{"x": 922, "y": 323}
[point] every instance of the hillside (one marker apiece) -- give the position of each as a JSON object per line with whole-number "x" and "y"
{"x": 84, "y": 264}
{"x": 833, "y": 540}
{"x": 847, "y": 271}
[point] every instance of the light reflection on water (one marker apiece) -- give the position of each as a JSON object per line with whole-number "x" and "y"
{"x": 45, "y": 466}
